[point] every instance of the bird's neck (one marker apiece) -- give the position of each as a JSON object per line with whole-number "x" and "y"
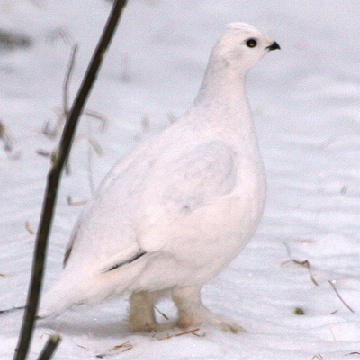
{"x": 222, "y": 100}
{"x": 223, "y": 84}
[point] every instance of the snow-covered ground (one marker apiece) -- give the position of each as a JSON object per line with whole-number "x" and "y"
{"x": 306, "y": 103}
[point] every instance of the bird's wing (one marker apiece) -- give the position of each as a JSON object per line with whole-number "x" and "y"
{"x": 149, "y": 191}
{"x": 195, "y": 176}
{"x": 180, "y": 188}
{"x": 104, "y": 234}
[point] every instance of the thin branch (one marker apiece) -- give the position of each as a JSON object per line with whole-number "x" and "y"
{"x": 50, "y": 347}
{"x": 8, "y": 311}
{"x": 54, "y": 179}
{"x": 339, "y": 296}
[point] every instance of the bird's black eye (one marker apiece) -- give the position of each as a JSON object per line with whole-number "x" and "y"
{"x": 251, "y": 43}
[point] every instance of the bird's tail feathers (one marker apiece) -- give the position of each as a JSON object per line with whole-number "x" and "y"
{"x": 75, "y": 288}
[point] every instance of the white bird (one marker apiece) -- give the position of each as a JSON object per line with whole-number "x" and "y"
{"x": 175, "y": 211}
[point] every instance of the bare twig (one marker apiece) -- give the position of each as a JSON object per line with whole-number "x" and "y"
{"x": 54, "y": 179}
{"x": 50, "y": 347}
{"x": 162, "y": 314}
{"x": 339, "y": 296}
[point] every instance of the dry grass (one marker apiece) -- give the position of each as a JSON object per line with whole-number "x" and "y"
{"x": 54, "y": 130}
{"x": 306, "y": 265}
{"x": 28, "y": 228}
{"x": 317, "y": 357}
{"x": 6, "y": 137}
{"x": 193, "y": 332}
{"x": 162, "y": 314}
{"x": 126, "y": 346}
{"x": 332, "y": 284}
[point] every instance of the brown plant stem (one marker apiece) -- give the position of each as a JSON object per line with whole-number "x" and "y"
{"x": 59, "y": 159}
{"x": 50, "y": 347}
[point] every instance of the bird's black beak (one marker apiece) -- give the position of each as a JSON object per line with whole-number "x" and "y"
{"x": 273, "y": 46}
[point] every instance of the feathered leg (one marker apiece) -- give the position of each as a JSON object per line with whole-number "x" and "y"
{"x": 142, "y": 312}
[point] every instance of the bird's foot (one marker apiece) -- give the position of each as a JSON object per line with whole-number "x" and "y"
{"x": 206, "y": 317}
{"x": 142, "y": 312}
{"x": 142, "y": 327}
{"x": 153, "y": 327}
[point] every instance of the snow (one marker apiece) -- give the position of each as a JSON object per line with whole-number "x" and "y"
{"x": 305, "y": 101}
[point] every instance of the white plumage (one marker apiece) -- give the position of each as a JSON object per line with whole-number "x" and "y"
{"x": 174, "y": 212}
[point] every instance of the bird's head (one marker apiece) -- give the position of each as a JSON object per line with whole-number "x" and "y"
{"x": 241, "y": 46}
